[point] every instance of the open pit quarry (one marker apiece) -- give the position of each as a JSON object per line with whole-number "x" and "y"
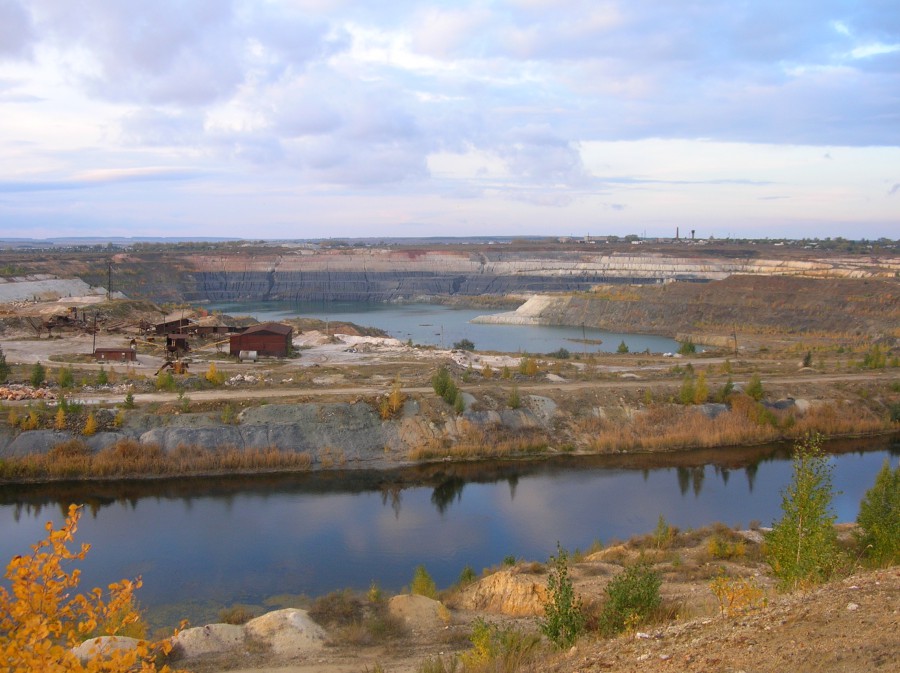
{"x": 303, "y": 272}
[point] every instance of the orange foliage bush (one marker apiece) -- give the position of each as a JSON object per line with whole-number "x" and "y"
{"x": 41, "y": 620}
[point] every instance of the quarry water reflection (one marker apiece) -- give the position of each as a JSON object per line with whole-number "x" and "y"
{"x": 442, "y": 326}
{"x": 203, "y": 544}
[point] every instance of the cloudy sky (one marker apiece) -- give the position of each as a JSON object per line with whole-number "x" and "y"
{"x": 320, "y": 118}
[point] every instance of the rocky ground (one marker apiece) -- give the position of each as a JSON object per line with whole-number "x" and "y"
{"x": 847, "y": 626}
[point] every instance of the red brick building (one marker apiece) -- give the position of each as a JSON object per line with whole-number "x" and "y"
{"x": 268, "y": 338}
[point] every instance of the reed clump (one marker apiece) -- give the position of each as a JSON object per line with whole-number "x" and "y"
{"x": 128, "y": 459}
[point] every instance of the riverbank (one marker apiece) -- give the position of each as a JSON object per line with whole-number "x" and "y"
{"x": 224, "y": 431}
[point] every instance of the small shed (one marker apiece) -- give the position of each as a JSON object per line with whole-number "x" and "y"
{"x": 177, "y": 344}
{"x": 268, "y": 338}
{"x": 115, "y": 354}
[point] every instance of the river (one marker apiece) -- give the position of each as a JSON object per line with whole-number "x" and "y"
{"x": 203, "y": 544}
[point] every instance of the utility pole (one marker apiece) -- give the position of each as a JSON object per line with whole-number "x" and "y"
{"x": 108, "y": 279}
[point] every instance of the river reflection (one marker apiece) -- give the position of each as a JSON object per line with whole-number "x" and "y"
{"x": 218, "y": 541}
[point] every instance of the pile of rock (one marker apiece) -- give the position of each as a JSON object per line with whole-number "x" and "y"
{"x": 15, "y": 392}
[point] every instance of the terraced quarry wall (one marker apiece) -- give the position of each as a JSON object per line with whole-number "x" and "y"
{"x": 385, "y": 274}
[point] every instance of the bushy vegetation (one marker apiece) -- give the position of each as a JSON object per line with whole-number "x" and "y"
{"x": 42, "y": 617}
{"x": 422, "y": 583}
{"x": 5, "y": 369}
{"x": 631, "y": 596}
{"x": 879, "y": 518}
{"x": 687, "y": 347}
{"x": 446, "y": 388}
{"x": 802, "y": 546}
{"x": 38, "y": 375}
{"x": 464, "y": 345}
{"x": 564, "y": 618}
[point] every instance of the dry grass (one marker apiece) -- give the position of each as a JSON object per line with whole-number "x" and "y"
{"x": 479, "y": 442}
{"x": 672, "y": 427}
{"x": 129, "y": 458}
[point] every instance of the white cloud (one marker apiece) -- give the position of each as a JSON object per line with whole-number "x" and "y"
{"x": 486, "y": 106}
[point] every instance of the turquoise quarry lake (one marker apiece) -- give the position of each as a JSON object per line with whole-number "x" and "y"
{"x": 202, "y": 545}
{"x": 442, "y": 326}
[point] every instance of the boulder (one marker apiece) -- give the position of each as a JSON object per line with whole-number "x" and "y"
{"x": 289, "y": 632}
{"x": 420, "y": 613}
{"x": 209, "y": 639}
{"x": 506, "y": 592}
{"x": 104, "y": 645}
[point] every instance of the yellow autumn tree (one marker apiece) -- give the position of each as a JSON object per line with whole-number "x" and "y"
{"x": 90, "y": 425}
{"x": 60, "y": 418}
{"x": 42, "y": 618}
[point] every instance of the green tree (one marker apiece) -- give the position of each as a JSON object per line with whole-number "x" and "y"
{"x": 102, "y": 377}
{"x": 623, "y": 347}
{"x": 5, "y": 369}
{"x": 440, "y": 380}
{"x": 38, "y": 375}
{"x": 701, "y": 389}
{"x": 879, "y": 518}
{"x": 802, "y": 546}
{"x": 65, "y": 377}
{"x": 688, "y": 389}
{"x": 564, "y": 617}
{"x": 754, "y": 387}
{"x": 422, "y": 584}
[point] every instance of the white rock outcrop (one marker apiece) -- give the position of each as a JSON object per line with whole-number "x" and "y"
{"x": 289, "y": 632}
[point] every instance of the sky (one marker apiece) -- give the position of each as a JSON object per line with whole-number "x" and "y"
{"x": 272, "y": 119}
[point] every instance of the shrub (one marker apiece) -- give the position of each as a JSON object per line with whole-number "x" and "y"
{"x": 802, "y": 546}
{"x": 60, "y": 423}
{"x": 467, "y": 576}
{"x": 102, "y": 377}
{"x": 65, "y": 377}
{"x": 879, "y": 518}
{"x": 515, "y": 400}
{"x": 623, "y": 347}
{"x": 42, "y": 619}
{"x": 129, "y": 401}
{"x": 5, "y": 369}
{"x": 564, "y": 617}
{"x": 237, "y": 615}
{"x": 498, "y": 649}
{"x": 464, "y": 345}
{"x": 720, "y": 548}
{"x": 440, "y": 381}
{"x": 561, "y": 354}
{"x": 688, "y": 389}
{"x": 754, "y": 387}
{"x": 422, "y": 584}
{"x": 165, "y": 381}
{"x": 487, "y": 371}
{"x": 528, "y": 366}
{"x": 687, "y": 347}
{"x": 875, "y": 358}
{"x": 214, "y": 376}
{"x": 38, "y": 375}
{"x": 459, "y": 403}
{"x": 701, "y": 389}
{"x": 630, "y": 598}
{"x": 663, "y": 534}
{"x": 339, "y": 608}
{"x": 737, "y": 594}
